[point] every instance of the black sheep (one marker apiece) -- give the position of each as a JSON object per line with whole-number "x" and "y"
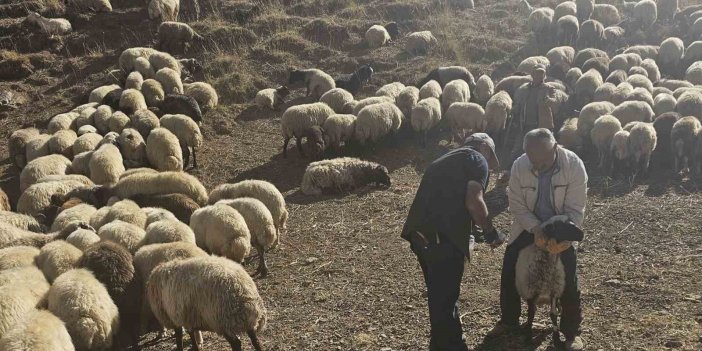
{"x": 181, "y": 104}
{"x": 354, "y": 81}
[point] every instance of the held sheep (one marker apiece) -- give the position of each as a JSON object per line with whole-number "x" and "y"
{"x": 464, "y": 116}
{"x": 180, "y": 205}
{"x": 175, "y": 104}
{"x": 261, "y": 225}
{"x": 257, "y": 189}
{"x": 17, "y": 145}
{"x": 315, "y": 81}
{"x": 272, "y": 98}
{"x": 377, "y": 35}
{"x": 125, "y": 234}
{"x": 376, "y": 121}
{"x": 39, "y": 330}
{"x": 163, "y": 150}
{"x": 37, "y": 147}
{"x": 425, "y": 115}
{"x": 407, "y": 99}
{"x": 336, "y": 99}
{"x": 296, "y": 120}
{"x": 230, "y": 312}
{"x": 454, "y": 91}
{"x": 164, "y": 10}
{"x": 187, "y": 132}
{"x": 567, "y": 30}
{"x": 420, "y": 42}
{"x": 106, "y": 165}
{"x": 56, "y": 258}
{"x": 84, "y": 304}
{"x": 528, "y": 64}
{"x": 99, "y": 93}
{"x": 41, "y": 167}
{"x": 601, "y": 135}
{"x": 131, "y": 101}
{"x": 569, "y": 137}
{"x": 221, "y": 230}
{"x": 160, "y": 183}
{"x": 133, "y": 148}
{"x": 391, "y": 90}
{"x": 176, "y": 36}
{"x": 683, "y": 137}
{"x": 430, "y": 89}
{"x": 443, "y": 75}
{"x": 642, "y": 142}
{"x": 203, "y": 93}
{"x": 355, "y": 81}
{"x": 484, "y": 90}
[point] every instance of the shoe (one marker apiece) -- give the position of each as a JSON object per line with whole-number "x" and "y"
{"x": 501, "y": 329}
{"x": 575, "y": 344}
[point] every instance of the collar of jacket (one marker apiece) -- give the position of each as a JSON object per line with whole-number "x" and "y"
{"x": 556, "y": 164}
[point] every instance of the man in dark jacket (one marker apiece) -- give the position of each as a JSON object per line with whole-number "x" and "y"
{"x": 449, "y": 200}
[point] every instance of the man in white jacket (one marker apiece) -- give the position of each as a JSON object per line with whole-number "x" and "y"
{"x": 546, "y": 181}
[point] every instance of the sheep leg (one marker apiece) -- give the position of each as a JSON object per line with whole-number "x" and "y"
{"x": 194, "y": 159}
{"x": 298, "y": 142}
{"x": 186, "y": 155}
{"x": 554, "y": 320}
{"x": 285, "y": 147}
{"x": 647, "y": 161}
{"x": 234, "y": 342}
{"x": 179, "y": 338}
{"x": 254, "y": 340}
{"x": 262, "y": 266}
{"x": 531, "y": 312}
{"x": 194, "y": 333}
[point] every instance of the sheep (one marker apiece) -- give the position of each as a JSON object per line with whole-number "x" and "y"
{"x": 18, "y": 300}
{"x": 377, "y": 35}
{"x": 645, "y": 13}
{"x": 131, "y": 101}
{"x": 406, "y": 100}
{"x": 624, "y": 62}
{"x": 641, "y": 94}
{"x": 117, "y": 122}
{"x": 683, "y": 137}
{"x": 425, "y": 115}
{"x": 41, "y": 167}
{"x": 106, "y": 165}
{"x": 56, "y": 258}
{"x": 338, "y": 128}
{"x": 420, "y": 42}
{"x": 572, "y": 77}
{"x": 81, "y": 163}
{"x": 355, "y": 81}
{"x": 586, "y": 86}
{"x": 38, "y": 330}
{"x": 566, "y": 8}
{"x": 693, "y": 74}
{"x": 100, "y": 118}
{"x": 619, "y": 150}
{"x": 569, "y": 137}
{"x": 168, "y": 230}
{"x": 261, "y": 225}
{"x": 640, "y": 81}
{"x": 560, "y": 59}
{"x": 601, "y": 64}
{"x": 590, "y": 113}
{"x": 606, "y": 14}
{"x": 258, "y": 189}
{"x": 391, "y": 90}
{"x": 134, "y": 81}
{"x": 146, "y": 183}
{"x": 359, "y": 105}
{"x": 85, "y": 117}
{"x": 585, "y": 54}
{"x": 667, "y": 9}
{"x": 601, "y": 135}
{"x": 693, "y": 53}
{"x": 148, "y": 257}
{"x": 203, "y": 93}
{"x": 455, "y": 91}
{"x": 670, "y": 54}
{"x": 235, "y": 319}
{"x": 695, "y": 90}
{"x": 180, "y": 205}
{"x": 584, "y": 9}
{"x": 133, "y": 148}
{"x": 20, "y": 221}
{"x": 296, "y": 120}
{"x": 143, "y": 67}
{"x": 653, "y": 73}
{"x": 315, "y": 81}
{"x": 497, "y": 112}
{"x": 605, "y": 92}
{"x": 175, "y": 104}
{"x": 631, "y": 111}
{"x": 221, "y": 230}
{"x": 528, "y": 64}
{"x": 84, "y": 304}
{"x": 661, "y": 90}
{"x": 90, "y": 5}
{"x": 99, "y": 93}
{"x": 443, "y": 75}
{"x": 15, "y": 237}
{"x": 78, "y": 213}
{"x": 144, "y": 121}
{"x": 170, "y": 81}
{"x": 164, "y": 10}
{"x": 673, "y": 84}
{"x": 17, "y": 256}
{"x": 540, "y": 20}
{"x": 642, "y": 142}
{"x": 690, "y": 104}
{"x": 464, "y": 116}
{"x": 591, "y": 34}
{"x": 430, "y": 89}
{"x": 272, "y": 98}
{"x": 163, "y": 150}
{"x": 153, "y": 92}
{"x": 567, "y": 30}
{"x": 83, "y": 238}
{"x": 336, "y": 99}
{"x": 37, "y": 147}
{"x": 187, "y": 132}
{"x": 112, "y": 99}
{"x": 17, "y": 145}
{"x": 174, "y": 36}
{"x": 126, "y": 234}
{"x": 37, "y": 197}
{"x": 376, "y": 121}
{"x": 342, "y": 175}
{"x": 484, "y": 90}
{"x": 664, "y": 103}
{"x": 50, "y": 26}
{"x": 663, "y": 124}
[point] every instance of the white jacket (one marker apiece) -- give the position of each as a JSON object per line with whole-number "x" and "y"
{"x": 568, "y": 191}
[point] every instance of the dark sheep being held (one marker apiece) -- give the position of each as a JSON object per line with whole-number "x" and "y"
{"x": 181, "y": 104}
{"x": 355, "y": 81}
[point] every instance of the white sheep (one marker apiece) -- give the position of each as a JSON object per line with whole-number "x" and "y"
{"x": 407, "y": 99}
{"x": 170, "y": 81}
{"x": 590, "y": 113}
{"x": 37, "y": 197}
{"x": 462, "y": 116}
{"x": 667, "y": 9}
{"x": 83, "y": 303}
{"x": 99, "y": 93}
{"x": 17, "y": 145}
{"x": 430, "y": 89}
{"x": 17, "y": 256}
{"x": 377, "y": 35}
{"x": 339, "y": 128}
{"x": 155, "y": 183}
{"x": 342, "y": 175}
{"x": 125, "y": 234}
{"x": 126, "y": 211}
{"x": 690, "y": 104}
{"x": 81, "y": 163}
{"x": 316, "y": 81}
{"x": 79, "y": 213}
{"x": 601, "y": 135}
{"x": 203, "y": 93}
{"x": 455, "y": 91}
{"x": 624, "y": 62}
{"x": 391, "y": 90}
{"x": 257, "y": 189}
{"x": 160, "y": 59}
{"x": 18, "y": 300}
{"x": 82, "y": 238}
{"x": 528, "y": 64}
{"x": 420, "y": 42}
{"x": 296, "y": 120}
{"x": 37, "y": 147}
{"x": 561, "y": 59}
{"x": 540, "y": 20}
{"x": 41, "y": 167}
{"x": 85, "y": 117}
{"x": 566, "y": 8}
{"x": 106, "y": 165}
{"x": 232, "y": 311}
{"x": 86, "y": 129}
{"x": 653, "y": 73}
{"x": 569, "y": 137}
{"x": 644, "y": 51}
{"x": 684, "y": 138}
{"x": 164, "y": 10}
{"x": 50, "y": 26}
{"x": 133, "y": 148}
{"x": 605, "y": 92}
{"x": 584, "y": 9}
{"x": 586, "y": 86}
{"x": 142, "y": 65}
{"x": 221, "y": 230}
{"x": 663, "y": 103}
{"x": 641, "y": 94}
{"x": 425, "y": 115}
{"x": 144, "y": 121}
{"x": 497, "y": 112}
{"x": 38, "y": 330}
{"x": 642, "y": 142}
{"x": 693, "y": 90}
{"x": 134, "y": 81}
{"x": 336, "y": 99}
{"x": 21, "y": 221}
{"x": 591, "y": 34}
{"x": 572, "y": 77}
{"x": 484, "y": 89}
{"x": 56, "y": 258}
{"x": 671, "y": 54}
{"x": 693, "y": 52}
{"x": 101, "y": 118}
{"x": 606, "y": 14}
{"x": 693, "y": 74}
{"x": 153, "y": 92}
{"x": 90, "y": 5}
{"x": 163, "y": 150}
{"x": 376, "y": 121}
{"x": 271, "y": 98}
{"x": 357, "y": 106}
{"x": 261, "y": 225}
{"x": 645, "y": 13}
{"x": 187, "y": 132}
{"x": 633, "y": 111}
{"x": 131, "y": 101}
{"x": 168, "y": 230}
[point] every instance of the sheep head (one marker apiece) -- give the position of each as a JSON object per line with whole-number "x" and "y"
{"x": 381, "y": 176}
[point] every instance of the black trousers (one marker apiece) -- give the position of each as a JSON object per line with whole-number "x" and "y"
{"x": 510, "y": 302}
{"x": 442, "y": 266}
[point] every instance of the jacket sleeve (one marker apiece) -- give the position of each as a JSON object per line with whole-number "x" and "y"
{"x": 576, "y": 192}
{"x": 517, "y": 203}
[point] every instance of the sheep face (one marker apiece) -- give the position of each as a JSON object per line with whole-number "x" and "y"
{"x": 364, "y": 73}
{"x": 282, "y": 91}
{"x": 297, "y": 77}
{"x": 381, "y": 176}
{"x": 393, "y": 30}
{"x": 315, "y": 142}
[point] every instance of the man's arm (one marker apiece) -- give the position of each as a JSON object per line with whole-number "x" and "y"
{"x": 576, "y": 194}
{"x": 475, "y": 204}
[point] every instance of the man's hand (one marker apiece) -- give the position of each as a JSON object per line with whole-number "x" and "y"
{"x": 494, "y": 238}
{"x": 540, "y": 239}
{"x": 555, "y": 248}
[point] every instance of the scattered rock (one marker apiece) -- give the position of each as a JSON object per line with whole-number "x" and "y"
{"x": 614, "y": 282}
{"x": 674, "y": 344}
{"x": 311, "y": 260}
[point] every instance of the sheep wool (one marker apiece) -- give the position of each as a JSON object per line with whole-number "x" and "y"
{"x": 143, "y": 67}
{"x": 642, "y": 142}
{"x": 316, "y": 81}
{"x": 131, "y": 101}
{"x": 633, "y": 111}
{"x": 528, "y": 64}
{"x": 148, "y": 183}
{"x": 203, "y": 93}
{"x": 671, "y": 53}
{"x": 184, "y": 128}
{"x": 645, "y": 13}
{"x": 376, "y": 36}
{"x": 268, "y": 98}
{"x": 56, "y": 258}
{"x": 84, "y": 304}
{"x": 430, "y": 89}
{"x": 41, "y": 167}
{"x": 163, "y": 10}
{"x": 167, "y": 231}
{"x": 38, "y": 196}
{"x": 296, "y": 120}
{"x": 590, "y": 113}
{"x": 222, "y": 231}
{"x": 39, "y": 330}
{"x": 426, "y": 114}
{"x": 86, "y": 129}
{"x": 569, "y": 137}
{"x": 540, "y": 20}
{"x": 232, "y": 311}
{"x": 133, "y": 148}
{"x": 19, "y": 299}
{"x": 153, "y": 92}
{"x": 336, "y": 99}
{"x": 456, "y": 91}
{"x": 106, "y": 165}
{"x": 619, "y": 148}
{"x": 663, "y": 103}
{"x": 99, "y": 93}
{"x": 79, "y": 213}
{"x": 17, "y": 256}
{"x": 586, "y": 86}
{"x": 566, "y": 8}
{"x": 357, "y": 106}
{"x": 420, "y": 42}
{"x": 151, "y": 256}
{"x": 464, "y": 116}
{"x": 338, "y": 128}
{"x": 376, "y": 121}
{"x": 160, "y": 59}
{"x": 101, "y": 118}
{"x": 17, "y": 145}
{"x": 144, "y": 121}
{"x": 170, "y": 80}
{"x": 163, "y": 150}
{"x": 693, "y": 74}
{"x": 606, "y": 14}
{"x": 134, "y": 81}
{"x": 19, "y": 220}
{"x": 82, "y": 238}
{"x": 257, "y": 189}
{"x": 484, "y": 90}
{"x": 391, "y": 90}
{"x": 407, "y": 99}
{"x": 37, "y": 147}
{"x": 342, "y": 175}
{"x": 178, "y": 205}
{"x": 126, "y": 211}
{"x": 602, "y": 133}
{"x": 126, "y": 234}
{"x": 690, "y": 104}
{"x": 497, "y": 110}
{"x": 683, "y": 137}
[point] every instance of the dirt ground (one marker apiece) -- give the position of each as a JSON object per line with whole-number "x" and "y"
{"x": 342, "y": 278}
